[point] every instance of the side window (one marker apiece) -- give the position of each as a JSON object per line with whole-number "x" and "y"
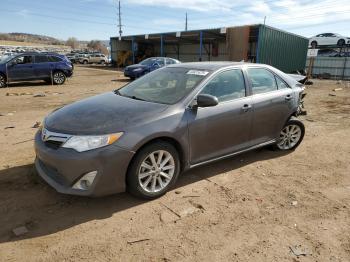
{"x": 160, "y": 61}
{"x": 262, "y": 80}
{"x": 27, "y": 59}
{"x": 54, "y": 59}
{"x": 226, "y": 86}
{"x": 169, "y": 61}
{"x": 280, "y": 83}
{"x": 41, "y": 59}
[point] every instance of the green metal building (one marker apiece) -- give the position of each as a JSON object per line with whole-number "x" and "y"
{"x": 251, "y": 43}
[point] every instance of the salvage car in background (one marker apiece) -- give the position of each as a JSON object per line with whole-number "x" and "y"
{"x": 148, "y": 65}
{"x": 94, "y": 58}
{"x": 142, "y": 136}
{"x": 51, "y": 67}
{"x": 328, "y": 39}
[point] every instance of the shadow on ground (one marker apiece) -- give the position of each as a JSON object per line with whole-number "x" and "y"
{"x": 28, "y": 84}
{"x": 122, "y": 80}
{"x": 26, "y": 200}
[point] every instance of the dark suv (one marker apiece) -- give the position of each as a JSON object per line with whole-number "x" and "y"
{"x": 51, "y": 67}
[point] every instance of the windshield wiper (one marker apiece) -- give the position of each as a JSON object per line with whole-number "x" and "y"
{"x": 136, "y": 98}
{"x": 117, "y": 92}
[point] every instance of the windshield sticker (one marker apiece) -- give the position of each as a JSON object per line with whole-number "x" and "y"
{"x": 197, "y": 72}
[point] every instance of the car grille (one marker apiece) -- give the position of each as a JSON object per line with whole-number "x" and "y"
{"x": 53, "y": 144}
{"x": 53, "y": 140}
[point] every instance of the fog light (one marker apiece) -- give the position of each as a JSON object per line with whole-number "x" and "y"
{"x": 86, "y": 181}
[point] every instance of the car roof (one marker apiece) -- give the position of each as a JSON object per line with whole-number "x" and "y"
{"x": 39, "y": 53}
{"x": 213, "y": 66}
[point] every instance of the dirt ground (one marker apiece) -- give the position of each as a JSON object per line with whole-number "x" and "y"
{"x": 258, "y": 206}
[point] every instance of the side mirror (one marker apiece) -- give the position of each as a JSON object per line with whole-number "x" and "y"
{"x": 207, "y": 100}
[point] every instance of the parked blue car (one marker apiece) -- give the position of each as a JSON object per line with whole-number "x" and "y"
{"x": 148, "y": 65}
{"x": 50, "y": 67}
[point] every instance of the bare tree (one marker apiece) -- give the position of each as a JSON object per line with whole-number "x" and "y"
{"x": 72, "y": 42}
{"x": 96, "y": 45}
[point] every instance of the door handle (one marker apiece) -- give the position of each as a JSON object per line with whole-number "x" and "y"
{"x": 246, "y": 107}
{"x": 288, "y": 97}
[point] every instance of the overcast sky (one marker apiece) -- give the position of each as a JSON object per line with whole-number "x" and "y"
{"x": 97, "y": 19}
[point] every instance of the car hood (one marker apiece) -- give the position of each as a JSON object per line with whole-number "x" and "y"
{"x": 300, "y": 78}
{"x": 102, "y": 114}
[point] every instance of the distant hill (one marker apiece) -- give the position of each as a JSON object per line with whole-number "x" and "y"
{"x": 23, "y": 37}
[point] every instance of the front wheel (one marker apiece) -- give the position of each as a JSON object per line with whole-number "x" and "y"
{"x": 291, "y": 135}
{"x": 313, "y": 44}
{"x": 153, "y": 171}
{"x": 2, "y": 81}
{"x": 59, "y": 78}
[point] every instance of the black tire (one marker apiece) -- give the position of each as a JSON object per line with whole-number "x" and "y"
{"x": 313, "y": 44}
{"x": 341, "y": 42}
{"x": 58, "y": 78}
{"x": 291, "y": 122}
{"x": 132, "y": 179}
{"x": 85, "y": 62}
{"x": 3, "y": 81}
{"x": 102, "y": 62}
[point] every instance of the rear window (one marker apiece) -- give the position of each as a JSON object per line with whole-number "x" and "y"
{"x": 41, "y": 59}
{"x": 54, "y": 59}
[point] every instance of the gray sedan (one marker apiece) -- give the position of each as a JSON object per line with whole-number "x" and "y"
{"x": 141, "y": 137}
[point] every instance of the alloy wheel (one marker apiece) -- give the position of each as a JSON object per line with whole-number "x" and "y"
{"x": 59, "y": 78}
{"x": 2, "y": 81}
{"x": 289, "y": 137}
{"x": 156, "y": 171}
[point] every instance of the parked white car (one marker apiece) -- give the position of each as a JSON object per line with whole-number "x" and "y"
{"x": 328, "y": 39}
{"x": 94, "y": 58}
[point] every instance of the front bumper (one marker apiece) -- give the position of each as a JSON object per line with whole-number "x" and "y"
{"x": 61, "y": 168}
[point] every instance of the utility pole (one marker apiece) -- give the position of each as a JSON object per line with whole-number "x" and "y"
{"x": 120, "y": 21}
{"x": 186, "y": 23}
{"x": 264, "y": 19}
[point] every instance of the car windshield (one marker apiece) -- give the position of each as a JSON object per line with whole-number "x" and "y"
{"x": 4, "y": 59}
{"x": 149, "y": 61}
{"x": 165, "y": 86}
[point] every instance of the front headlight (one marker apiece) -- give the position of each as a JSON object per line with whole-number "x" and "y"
{"x": 85, "y": 143}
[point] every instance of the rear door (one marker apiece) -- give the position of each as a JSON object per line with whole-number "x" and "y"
{"x": 95, "y": 59}
{"x": 225, "y": 128}
{"x": 42, "y": 66}
{"x": 21, "y": 68}
{"x": 272, "y": 101}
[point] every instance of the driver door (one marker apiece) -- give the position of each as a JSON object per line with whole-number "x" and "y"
{"x": 225, "y": 128}
{"x": 21, "y": 68}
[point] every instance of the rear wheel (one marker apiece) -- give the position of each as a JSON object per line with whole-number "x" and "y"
{"x": 153, "y": 171}
{"x": 59, "y": 78}
{"x": 341, "y": 42}
{"x": 85, "y": 62}
{"x": 291, "y": 135}
{"x": 2, "y": 81}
